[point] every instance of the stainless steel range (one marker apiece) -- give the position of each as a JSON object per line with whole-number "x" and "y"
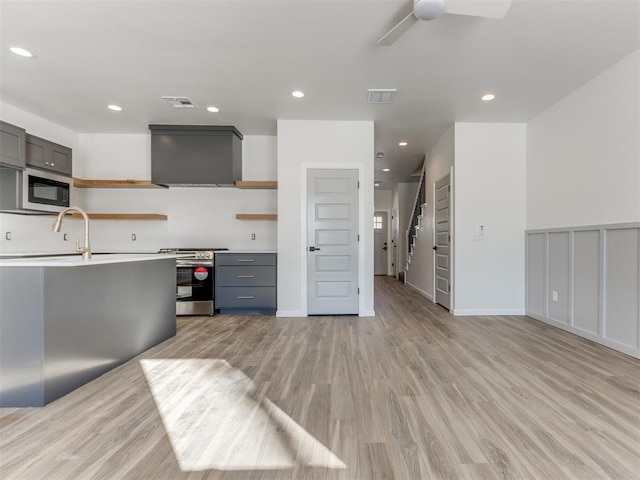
{"x": 195, "y": 280}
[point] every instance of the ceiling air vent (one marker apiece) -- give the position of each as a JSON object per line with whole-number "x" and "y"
{"x": 382, "y": 95}
{"x": 180, "y": 102}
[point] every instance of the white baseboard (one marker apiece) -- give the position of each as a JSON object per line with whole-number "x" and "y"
{"x": 480, "y": 313}
{"x": 420, "y": 291}
{"x": 367, "y": 313}
{"x": 290, "y": 314}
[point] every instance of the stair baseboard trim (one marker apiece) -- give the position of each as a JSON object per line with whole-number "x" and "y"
{"x": 458, "y": 312}
{"x": 420, "y": 291}
{"x": 367, "y": 313}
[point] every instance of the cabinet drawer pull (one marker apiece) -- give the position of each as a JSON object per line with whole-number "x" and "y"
{"x": 246, "y": 260}
{"x": 246, "y": 297}
{"x": 246, "y": 276}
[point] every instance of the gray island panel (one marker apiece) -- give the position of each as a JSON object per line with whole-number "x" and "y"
{"x": 91, "y": 319}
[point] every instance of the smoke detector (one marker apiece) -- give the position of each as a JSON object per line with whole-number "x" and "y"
{"x": 179, "y": 102}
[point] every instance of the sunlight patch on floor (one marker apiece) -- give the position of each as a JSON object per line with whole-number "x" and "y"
{"x": 214, "y": 420}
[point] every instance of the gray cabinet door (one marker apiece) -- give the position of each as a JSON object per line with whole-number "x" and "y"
{"x": 47, "y": 155}
{"x": 245, "y": 259}
{"x": 12, "y": 145}
{"x": 232, "y": 276}
{"x": 238, "y": 298}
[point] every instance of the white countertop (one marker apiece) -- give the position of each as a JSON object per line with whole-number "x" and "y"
{"x": 78, "y": 261}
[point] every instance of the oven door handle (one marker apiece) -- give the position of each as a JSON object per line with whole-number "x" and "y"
{"x": 193, "y": 263}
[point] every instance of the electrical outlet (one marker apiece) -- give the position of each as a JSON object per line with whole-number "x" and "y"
{"x": 133, "y": 237}
{"x": 554, "y": 296}
{"x": 7, "y": 236}
{"x": 253, "y": 236}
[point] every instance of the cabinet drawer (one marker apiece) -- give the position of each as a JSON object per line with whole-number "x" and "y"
{"x": 245, "y": 297}
{"x": 249, "y": 276}
{"x": 245, "y": 259}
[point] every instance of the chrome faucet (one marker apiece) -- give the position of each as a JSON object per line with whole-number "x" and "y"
{"x": 86, "y": 249}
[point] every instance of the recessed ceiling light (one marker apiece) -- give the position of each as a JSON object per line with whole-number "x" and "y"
{"x": 386, "y": 169}
{"x": 21, "y": 52}
{"x": 379, "y": 155}
{"x": 403, "y": 144}
{"x": 376, "y": 184}
{"x": 297, "y": 94}
{"x": 213, "y": 109}
{"x": 488, "y": 97}
{"x": 115, "y": 108}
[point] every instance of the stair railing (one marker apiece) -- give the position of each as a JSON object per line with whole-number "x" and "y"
{"x": 417, "y": 210}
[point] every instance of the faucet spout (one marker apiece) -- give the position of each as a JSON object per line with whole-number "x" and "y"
{"x": 86, "y": 248}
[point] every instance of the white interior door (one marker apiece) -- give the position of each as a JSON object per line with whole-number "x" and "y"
{"x": 380, "y": 243}
{"x": 442, "y": 241}
{"x": 332, "y": 242}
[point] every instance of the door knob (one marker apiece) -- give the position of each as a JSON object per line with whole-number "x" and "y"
{"x": 435, "y": 247}
{"x": 313, "y": 249}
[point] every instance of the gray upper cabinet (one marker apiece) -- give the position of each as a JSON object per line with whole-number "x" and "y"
{"x": 195, "y": 155}
{"x": 12, "y": 145}
{"x": 49, "y": 156}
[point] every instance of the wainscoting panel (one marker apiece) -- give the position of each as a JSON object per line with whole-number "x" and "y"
{"x": 621, "y": 287}
{"x": 558, "y": 291}
{"x": 586, "y": 281}
{"x": 595, "y": 272}
{"x": 536, "y": 260}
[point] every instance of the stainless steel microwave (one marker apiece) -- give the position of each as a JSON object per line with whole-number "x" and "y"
{"x": 45, "y": 191}
{"x": 31, "y": 190}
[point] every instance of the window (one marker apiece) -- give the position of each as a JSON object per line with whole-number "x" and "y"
{"x": 377, "y": 223}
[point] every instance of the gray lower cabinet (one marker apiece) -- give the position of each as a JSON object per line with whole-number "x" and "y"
{"x": 246, "y": 283}
{"x": 12, "y": 145}
{"x": 46, "y": 155}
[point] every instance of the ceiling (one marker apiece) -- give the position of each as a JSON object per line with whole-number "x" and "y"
{"x": 247, "y": 56}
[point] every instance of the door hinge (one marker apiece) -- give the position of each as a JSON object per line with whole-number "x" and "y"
{"x": 449, "y": 237}
{"x": 358, "y": 184}
{"x": 358, "y": 290}
{"x": 449, "y": 187}
{"x": 449, "y": 287}
{"x": 358, "y": 237}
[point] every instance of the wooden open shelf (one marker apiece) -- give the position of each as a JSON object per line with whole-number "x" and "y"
{"x": 84, "y": 183}
{"x": 256, "y": 216}
{"x": 122, "y": 216}
{"x": 256, "y": 185}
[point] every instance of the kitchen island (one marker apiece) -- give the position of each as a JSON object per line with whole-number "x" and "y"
{"x": 65, "y": 321}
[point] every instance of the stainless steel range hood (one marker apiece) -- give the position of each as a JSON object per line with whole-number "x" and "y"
{"x": 195, "y": 155}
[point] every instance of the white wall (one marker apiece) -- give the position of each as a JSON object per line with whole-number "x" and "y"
{"x": 197, "y": 217}
{"x": 30, "y": 233}
{"x": 305, "y": 144}
{"x": 583, "y": 154}
{"x": 439, "y": 160}
{"x": 383, "y": 200}
{"x": 490, "y": 163}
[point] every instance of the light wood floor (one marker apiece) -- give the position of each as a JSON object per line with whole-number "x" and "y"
{"x": 413, "y": 393}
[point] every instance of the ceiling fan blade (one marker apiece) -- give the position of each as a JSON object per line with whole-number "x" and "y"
{"x": 478, "y": 8}
{"x": 396, "y": 32}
